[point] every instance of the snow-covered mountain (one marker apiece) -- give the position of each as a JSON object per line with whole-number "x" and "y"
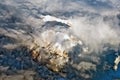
{"x": 78, "y": 36}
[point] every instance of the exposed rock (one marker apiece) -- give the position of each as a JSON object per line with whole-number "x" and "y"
{"x": 15, "y": 77}
{"x": 3, "y": 68}
{"x": 54, "y": 49}
{"x": 86, "y": 66}
{"x": 21, "y": 75}
{"x": 51, "y": 60}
